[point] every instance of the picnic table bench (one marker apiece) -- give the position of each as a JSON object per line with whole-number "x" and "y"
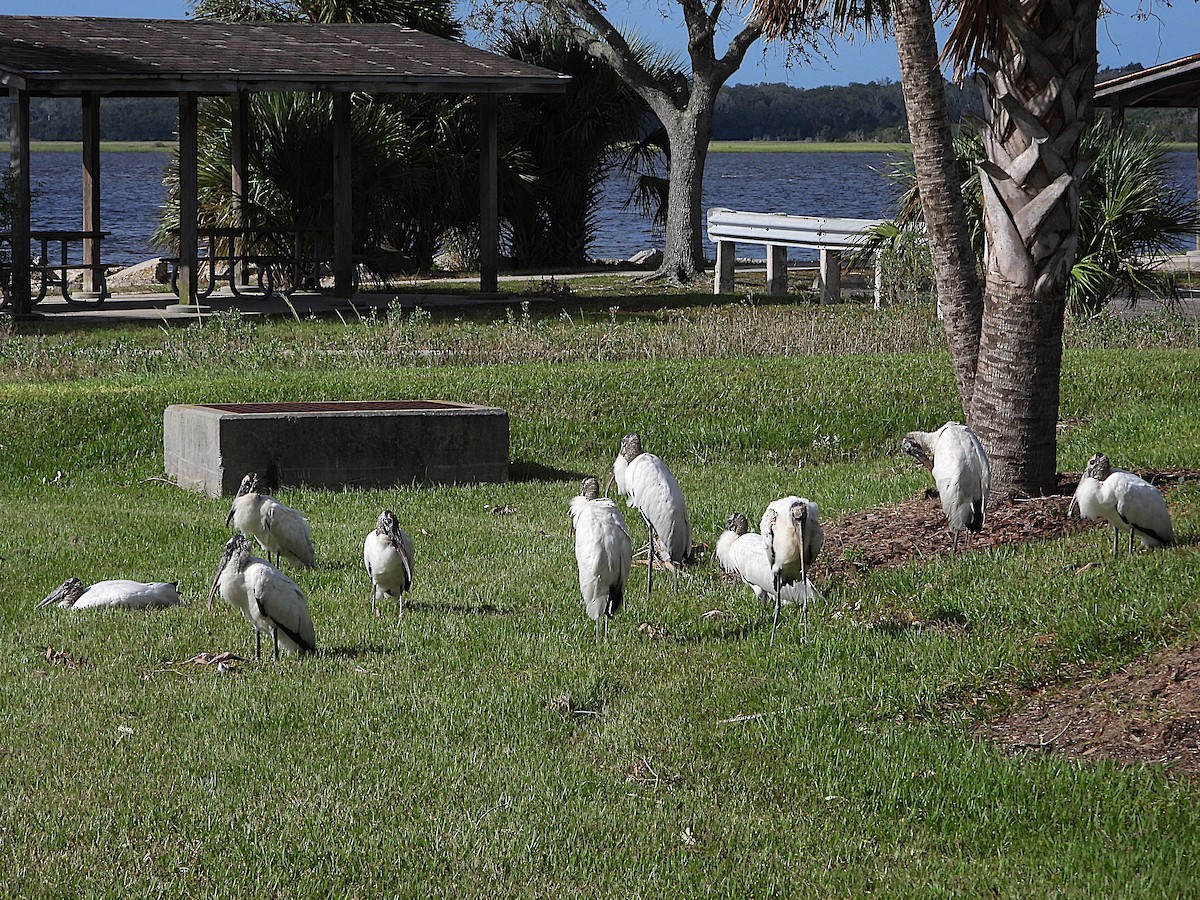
{"x": 54, "y": 269}
{"x": 778, "y": 232}
{"x": 284, "y": 261}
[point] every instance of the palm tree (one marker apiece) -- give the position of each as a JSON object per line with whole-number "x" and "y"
{"x": 1036, "y": 63}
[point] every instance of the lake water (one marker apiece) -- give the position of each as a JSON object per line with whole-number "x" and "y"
{"x": 829, "y": 184}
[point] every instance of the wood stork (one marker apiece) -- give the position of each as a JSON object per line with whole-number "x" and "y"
{"x": 743, "y": 553}
{"x": 279, "y": 529}
{"x": 649, "y": 487}
{"x": 116, "y": 594}
{"x": 388, "y": 556}
{"x": 1124, "y": 501}
{"x": 603, "y": 551}
{"x": 960, "y": 469}
{"x": 271, "y": 602}
{"x": 792, "y": 537}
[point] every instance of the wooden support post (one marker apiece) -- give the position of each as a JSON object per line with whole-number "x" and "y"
{"x": 723, "y": 276}
{"x": 777, "y": 270}
{"x": 878, "y": 280}
{"x": 343, "y": 201}
{"x": 829, "y": 280}
{"x": 189, "y": 206}
{"x": 91, "y": 189}
{"x": 1198, "y": 169}
{"x": 239, "y": 118}
{"x": 489, "y": 197}
{"x": 18, "y": 163}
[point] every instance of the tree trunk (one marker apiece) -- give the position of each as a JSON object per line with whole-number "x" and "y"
{"x": 688, "y": 134}
{"x": 1038, "y": 103}
{"x": 960, "y": 297}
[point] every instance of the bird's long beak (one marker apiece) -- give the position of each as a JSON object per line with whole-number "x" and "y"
{"x": 229, "y": 518}
{"x": 212, "y": 594}
{"x": 1073, "y": 506}
{"x": 612, "y": 476}
{"x": 59, "y": 593}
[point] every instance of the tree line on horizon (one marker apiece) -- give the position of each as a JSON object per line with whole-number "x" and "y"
{"x": 872, "y": 111}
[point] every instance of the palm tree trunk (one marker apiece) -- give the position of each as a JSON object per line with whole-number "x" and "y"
{"x": 1038, "y": 103}
{"x": 960, "y": 297}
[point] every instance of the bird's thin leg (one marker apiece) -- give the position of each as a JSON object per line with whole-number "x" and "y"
{"x": 1116, "y": 541}
{"x": 775, "y": 617}
{"x": 1131, "y": 542}
{"x": 374, "y": 605}
{"x": 954, "y": 546}
{"x": 275, "y": 634}
{"x": 257, "y": 644}
{"x": 598, "y": 627}
{"x": 649, "y": 556}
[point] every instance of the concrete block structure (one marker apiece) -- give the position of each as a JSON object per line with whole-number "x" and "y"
{"x": 335, "y": 445}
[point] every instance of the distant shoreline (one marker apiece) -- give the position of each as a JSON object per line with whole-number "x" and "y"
{"x": 713, "y": 147}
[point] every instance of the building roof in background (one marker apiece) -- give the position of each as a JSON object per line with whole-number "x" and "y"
{"x": 1175, "y": 83}
{"x": 67, "y": 56}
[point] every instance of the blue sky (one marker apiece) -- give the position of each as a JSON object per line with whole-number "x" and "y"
{"x": 1171, "y": 32}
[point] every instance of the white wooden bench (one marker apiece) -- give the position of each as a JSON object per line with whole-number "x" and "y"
{"x": 729, "y": 227}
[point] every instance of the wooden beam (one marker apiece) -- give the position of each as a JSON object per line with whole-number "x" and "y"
{"x": 239, "y": 118}
{"x": 489, "y": 197}
{"x": 91, "y": 186}
{"x": 343, "y": 201}
{"x": 18, "y": 164}
{"x": 777, "y": 269}
{"x": 189, "y": 208}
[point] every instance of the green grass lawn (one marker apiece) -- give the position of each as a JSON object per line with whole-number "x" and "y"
{"x": 484, "y": 745}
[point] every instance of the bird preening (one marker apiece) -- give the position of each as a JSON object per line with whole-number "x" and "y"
{"x": 271, "y": 602}
{"x": 388, "y": 556}
{"x": 1125, "y": 501}
{"x": 649, "y": 487}
{"x": 117, "y": 594}
{"x": 278, "y": 529}
{"x": 603, "y": 552}
{"x": 959, "y": 464}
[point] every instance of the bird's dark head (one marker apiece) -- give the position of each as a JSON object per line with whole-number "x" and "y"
{"x": 250, "y": 485}
{"x": 916, "y": 449}
{"x": 589, "y": 488}
{"x": 65, "y": 594}
{"x": 387, "y": 523}
{"x": 799, "y": 512}
{"x": 1098, "y": 467}
{"x": 737, "y": 523}
{"x": 631, "y": 446}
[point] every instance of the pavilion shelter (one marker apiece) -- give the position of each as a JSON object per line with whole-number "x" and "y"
{"x": 92, "y": 58}
{"x": 1173, "y": 84}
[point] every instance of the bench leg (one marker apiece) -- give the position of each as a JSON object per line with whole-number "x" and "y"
{"x": 723, "y": 277}
{"x": 830, "y": 278}
{"x": 776, "y": 270}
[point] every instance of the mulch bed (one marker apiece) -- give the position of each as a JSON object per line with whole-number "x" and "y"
{"x": 1149, "y": 712}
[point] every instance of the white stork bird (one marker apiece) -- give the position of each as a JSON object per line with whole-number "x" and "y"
{"x": 792, "y": 538}
{"x": 117, "y": 594}
{"x": 270, "y": 601}
{"x": 603, "y": 551}
{"x": 388, "y": 556}
{"x": 960, "y": 469}
{"x": 649, "y": 487}
{"x": 1124, "y": 501}
{"x": 279, "y": 529}
{"x": 743, "y": 553}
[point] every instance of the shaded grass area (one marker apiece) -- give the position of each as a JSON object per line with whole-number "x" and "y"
{"x": 484, "y": 746}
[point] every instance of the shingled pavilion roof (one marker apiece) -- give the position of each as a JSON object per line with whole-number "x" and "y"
{"x": 138, "y": 57}
{"x": 1172, "y": 84}
{"x": 93, "y": 58}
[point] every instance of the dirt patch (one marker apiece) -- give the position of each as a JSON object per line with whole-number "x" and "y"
{"x": 1148, "y": 713}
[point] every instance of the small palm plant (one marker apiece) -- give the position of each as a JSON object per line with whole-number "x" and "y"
{"x": 1132, "y": 216}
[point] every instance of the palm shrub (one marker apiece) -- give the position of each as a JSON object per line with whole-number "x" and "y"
{"x": 1131, "y": 215}
{"x": 562, "y": 145}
